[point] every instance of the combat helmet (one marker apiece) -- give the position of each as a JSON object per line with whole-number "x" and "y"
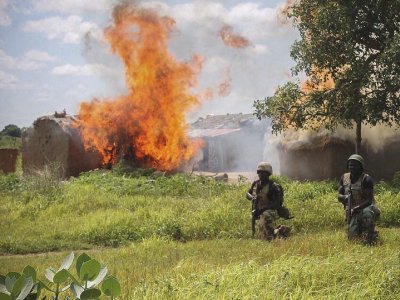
{"x": 264, "y": 166}
{"x": 358, "y": 158}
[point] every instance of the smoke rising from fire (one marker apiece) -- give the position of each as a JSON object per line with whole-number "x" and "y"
{"x": 149, "y": 122}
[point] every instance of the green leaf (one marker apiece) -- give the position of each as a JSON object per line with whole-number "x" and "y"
{"x": 79, "y": 262}
{"x": 10, "y": 280}
{"x": 49, "y": 273}
{"x": 67, "y": 262}
{"x": 3, "y": 279}
{"x": 89, "y": 270}
{"x": 111, "y": 287}
{"x": 18, "y": 285}
{"x": 4, "y": 296}
{"x": 76, "y": 290}
{"x": 3, "y": 289}
{"x": 26, "y": 288}
{"x": 61, "y": 276}
{"x": 90, "y": 294}
{"x": 99, "y": 278}
{"x": 29, "y": 271}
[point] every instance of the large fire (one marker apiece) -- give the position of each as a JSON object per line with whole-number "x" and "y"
{"x": 149, "y": 122}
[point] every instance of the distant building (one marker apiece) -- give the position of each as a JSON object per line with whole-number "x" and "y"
{"x": 8, "y": 159}
{"x": 232, "y": 142}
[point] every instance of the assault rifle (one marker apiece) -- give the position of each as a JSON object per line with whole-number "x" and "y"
{"x": 254, "y": 212}
{"x": 349, "y": 206}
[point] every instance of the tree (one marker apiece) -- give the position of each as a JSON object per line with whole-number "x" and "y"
{"x": 12, "y": 130}
{"x": 355, "y": 46}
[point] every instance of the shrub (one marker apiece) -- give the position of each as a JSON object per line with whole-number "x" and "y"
{"x": 84, "y": 285}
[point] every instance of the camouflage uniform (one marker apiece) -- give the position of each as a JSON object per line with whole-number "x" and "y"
{"x": 269, "y": 200}
{"x": 362, "y": 221}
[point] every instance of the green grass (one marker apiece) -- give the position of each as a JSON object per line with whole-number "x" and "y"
{"x": 7, "y": 141}
{"x": 322, "y": 265}
{"x": 185, "y": 237}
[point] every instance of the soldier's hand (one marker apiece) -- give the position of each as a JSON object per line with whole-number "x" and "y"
{"x": 355, "y": 210}
{"x": 249, "y": 196}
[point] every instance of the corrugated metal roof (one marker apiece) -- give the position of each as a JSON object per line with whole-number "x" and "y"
{"x": 224, "y": 121}
{"x": 198, "y": 133}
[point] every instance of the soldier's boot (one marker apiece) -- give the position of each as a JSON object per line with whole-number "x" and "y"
{"x": 372, "y": 238}
{"x": 270, "y": 234}
{"x": 371, "y": 234}
{"x": 282, "y": 231}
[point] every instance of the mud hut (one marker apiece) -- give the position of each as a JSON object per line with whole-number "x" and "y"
{"x": 384, "y": 162}
{"x": 8, "y": 159}
{"x": 232, "y": 142}
{"x": 54, "y": 142}
{"x": 322, "y": 157}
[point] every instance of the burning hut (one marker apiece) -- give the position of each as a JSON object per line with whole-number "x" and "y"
{"x": 232, "y": 142}
{"x": 324, "y": 157}
{"x": 53, "y": 141}
{"x": 8, "y": 158}
{"x": 383, "y": 163}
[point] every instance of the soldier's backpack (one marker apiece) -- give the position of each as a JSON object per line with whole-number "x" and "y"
{"x": 276, "y": 195}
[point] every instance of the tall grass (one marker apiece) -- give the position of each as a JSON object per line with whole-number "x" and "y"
{"x": 101, "y": 208}
{"x": 184, "y": 237}
{"x": 321, "y": 265}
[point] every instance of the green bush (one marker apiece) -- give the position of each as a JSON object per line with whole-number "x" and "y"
{"x": 90, "y": 275}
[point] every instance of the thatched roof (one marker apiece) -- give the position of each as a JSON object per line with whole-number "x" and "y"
{"x": 315, "y": 142}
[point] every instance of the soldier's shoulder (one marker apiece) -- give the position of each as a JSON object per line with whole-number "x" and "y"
{"x": 367, "y": 180}
{"x": 276, "y": 185}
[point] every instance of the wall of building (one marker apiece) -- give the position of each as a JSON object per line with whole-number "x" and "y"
{"x": 55, "y": 143}
{"x": 8, "y": 159}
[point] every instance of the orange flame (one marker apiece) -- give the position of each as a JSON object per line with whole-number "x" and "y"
{"x": 149, "y": 122}
{"x": 231, "y": 39}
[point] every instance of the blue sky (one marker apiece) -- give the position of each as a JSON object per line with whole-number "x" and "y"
{"x": 53, "y": 55}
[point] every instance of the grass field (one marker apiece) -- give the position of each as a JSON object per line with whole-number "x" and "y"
{"x": 184, "y": 237}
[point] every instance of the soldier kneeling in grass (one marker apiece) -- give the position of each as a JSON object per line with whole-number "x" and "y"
{"x": 267, "y": 198}
{"x": 356, "y": 193}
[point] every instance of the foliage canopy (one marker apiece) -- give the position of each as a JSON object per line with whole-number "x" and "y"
{"x": 11, "y": 130}
{"x": 350, "y": 52}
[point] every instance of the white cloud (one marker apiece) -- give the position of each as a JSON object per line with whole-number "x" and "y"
{"x": 37, "y": 55}
{"x": 31, "y": 60}
{"x": 8, "y": 81}
{"x": 84, "y": 70}
{"x": 253, "y": 20}
{"x": 5, "y": 19}
{"x": 200, "y": 13}
{"x": 69, "y": 30}
{"x": 71, "y": 6}
{"x": 252, "y": 12}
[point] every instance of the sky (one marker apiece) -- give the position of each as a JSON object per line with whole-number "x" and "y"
{"x": 53, "y": 55}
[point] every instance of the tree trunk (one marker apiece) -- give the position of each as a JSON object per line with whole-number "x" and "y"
{"x": 358, "y": 136}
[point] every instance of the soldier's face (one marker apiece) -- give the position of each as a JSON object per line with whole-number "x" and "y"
{"x": 263, "y": 175}
{"x": 354, "y": 167}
